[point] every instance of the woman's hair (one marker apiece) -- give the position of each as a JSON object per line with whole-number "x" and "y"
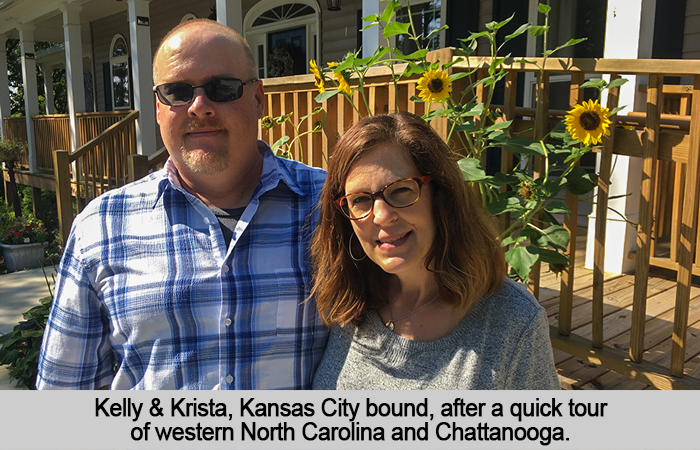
{"x": 465, "y": 257}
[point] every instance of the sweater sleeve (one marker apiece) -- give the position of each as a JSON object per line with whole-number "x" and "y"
{"x": 532, "y": 365}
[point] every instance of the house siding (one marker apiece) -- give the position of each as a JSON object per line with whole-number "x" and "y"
{"x": 339, "y": 31}
{"x": 691, "y": 38}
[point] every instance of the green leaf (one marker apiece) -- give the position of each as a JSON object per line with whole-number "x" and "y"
{"x": 538, "y": 30}
{"x": 555, "y": 236}
{"x": 570, "y": 43}
{"x": 458, "y": 75}
{"x": 502, "y": 24}
{"x": 395, "y": 28}
{"x": 320, "y": 98}
{"x": 509, "y": 204}
{"x": 594, "y": 82}
{"x": 432, "y": 34}
{"x": 475, "y": 110}
{"x": 552, "y": 257}
{"x": 371, "y": 18}
{"x": 524, "y": 146}
{"x": 420, "y": 54}
{"x": 557, "y": 207}
{"x": 474, "y": 36}
{"x": 521, "y": 259}
{"x": 369, "y": 25}
{"x": 617, "y": 110}
{"x": 471, "y": 168}
{"x": 543, "y": 9}
{"x": 498, "y": 126}
{"x": 467, "y": 126}
{"x": 580, "y": 182}
{"x": 280, "y": 142}
{"x": 512, "y": 240}
{"x": 523, "y": 28}
{"x": 617, "y": 82}
{"x": 390, "y": 10}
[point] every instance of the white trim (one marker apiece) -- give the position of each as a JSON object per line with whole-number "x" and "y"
{"x": 119, "y": 60}
{"x": 258, "y": 35}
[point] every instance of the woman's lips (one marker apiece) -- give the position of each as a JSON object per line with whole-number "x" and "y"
{"x": 388, "y": 244}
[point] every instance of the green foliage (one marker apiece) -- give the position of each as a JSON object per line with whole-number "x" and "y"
{"x": 20, "y": 348}
{"x": 25, "y": 231}
{"x": 11, "y": 150}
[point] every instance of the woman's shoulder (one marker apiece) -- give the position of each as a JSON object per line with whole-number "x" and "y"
{"x": 511, "y": 303}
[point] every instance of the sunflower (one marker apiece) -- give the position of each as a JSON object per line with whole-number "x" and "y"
{"x": 319, "y": 77}
{"x": 434, "y": 86}
{"x": 588, "y": 122}
{"x": 343, "y": 85}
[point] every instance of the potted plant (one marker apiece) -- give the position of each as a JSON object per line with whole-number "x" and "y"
{"x": 11, "y": 152}
{"x": 23, "y": 244}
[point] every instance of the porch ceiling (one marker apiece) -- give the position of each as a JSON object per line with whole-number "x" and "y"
{"x": 46, "y": 16}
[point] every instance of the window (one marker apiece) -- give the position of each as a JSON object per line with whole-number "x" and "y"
{"x": 426, "y": 18}
{"x": 119, "y": 66}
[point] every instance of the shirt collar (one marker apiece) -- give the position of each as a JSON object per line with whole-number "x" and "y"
{"x": 274, "y": 170}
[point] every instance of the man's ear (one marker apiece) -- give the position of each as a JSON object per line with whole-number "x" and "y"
{"x": 158, "y": 106}
{"x": 260, "y": 98}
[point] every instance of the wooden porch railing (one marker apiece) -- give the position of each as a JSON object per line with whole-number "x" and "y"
{"x": 99, "y": 165}
{"x": 656, "y": 139}
{"x": 52, "y": 132}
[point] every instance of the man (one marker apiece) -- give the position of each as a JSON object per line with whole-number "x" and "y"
{"x": 195, "y": 276}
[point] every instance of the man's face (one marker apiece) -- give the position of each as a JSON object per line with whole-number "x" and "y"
{"x": 203, "y": 135}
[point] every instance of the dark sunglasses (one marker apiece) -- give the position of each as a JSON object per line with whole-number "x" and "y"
{"x": 218, "y": 90}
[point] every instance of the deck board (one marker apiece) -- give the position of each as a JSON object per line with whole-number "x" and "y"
{"x": 575, "y": 373}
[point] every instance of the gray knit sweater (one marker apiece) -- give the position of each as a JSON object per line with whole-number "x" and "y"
{"x": 502, "y": 343}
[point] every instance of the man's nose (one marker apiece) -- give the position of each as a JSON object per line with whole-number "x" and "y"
{"x": 201, "y": 104}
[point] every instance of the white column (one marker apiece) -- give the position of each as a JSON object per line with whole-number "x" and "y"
{"x": 31, "y": 97}
{"x": 370, "y": 37}
{"x": 48, "y": 88}
{"x": 74, "y": 69}
{"x": 142, "y": 69}
{"x": 628, "y": 34}
{"x": 230, "y": 13}
{"x": 4, "y": 88}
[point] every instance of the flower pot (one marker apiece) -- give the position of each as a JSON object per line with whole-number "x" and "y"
{"x": 23, "y": 256}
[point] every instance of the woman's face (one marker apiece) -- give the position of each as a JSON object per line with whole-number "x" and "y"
{"x": 396, "y": 239}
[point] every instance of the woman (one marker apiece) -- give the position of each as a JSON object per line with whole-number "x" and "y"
{"x": 409, "y": 274}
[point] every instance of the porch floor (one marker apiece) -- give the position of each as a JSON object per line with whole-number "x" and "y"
{"x": 575, "y": 373}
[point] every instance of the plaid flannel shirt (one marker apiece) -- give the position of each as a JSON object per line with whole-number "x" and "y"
{"x": 149, "y": 297}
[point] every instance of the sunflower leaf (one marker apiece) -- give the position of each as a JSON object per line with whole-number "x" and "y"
{"x": 468, "y": 127}
{"x": 523, "y": 28}
{"x": 595, "y": 82}
{"x": 580, "y": 182}
{"x": 543, "y": 9}
{"x": 390, "y": 10}
{"x": 570, "y": 43}
{"x": 504, "y": 205}
{"x": 617, "y": 82}
{"x": 524, "y": 146}
{"x": 472, "y": 170}
{"x": 493, "y": 26}
{"x": 280, "y": 142}
{"x": 538, "y": 30}
{"x": 498, "y": 126}
{"x": 395, "y": 28}
{"x": 417, "y": 99}
{"x": 617, "y": 110}
{"x": 557, "y": 206}
{"x": 521, "y": 259}
{"x": 459, "y": 75}
{"x": 475, "y": 36}
{"x": 320, "y": 98}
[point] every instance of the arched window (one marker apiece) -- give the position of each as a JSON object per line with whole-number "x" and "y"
{"x": 119, "y": 66}
{"x": 283, "y": 36}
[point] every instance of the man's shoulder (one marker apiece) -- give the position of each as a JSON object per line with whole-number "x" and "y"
{"x": 136, "y": 195}
{"x": 299, "y": 170}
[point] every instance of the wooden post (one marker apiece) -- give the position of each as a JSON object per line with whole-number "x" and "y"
{"x": 601, "y": 222}
{"x": 137, "y": 167}
{"x": 641, "y": 265}
{"x": 61, "y": 169}
{"x": 566, "y": 291}
{"x": 36, "y": 197}
{"x": 687, "y": 245}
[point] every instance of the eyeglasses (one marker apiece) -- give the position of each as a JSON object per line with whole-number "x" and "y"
{"x": 218, "y": 90}
{"x": 399, "y": 194}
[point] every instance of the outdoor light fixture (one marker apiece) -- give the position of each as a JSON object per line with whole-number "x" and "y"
{"x": 333, "y": 5}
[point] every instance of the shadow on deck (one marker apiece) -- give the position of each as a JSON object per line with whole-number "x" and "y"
{"x": 575, "y": 373}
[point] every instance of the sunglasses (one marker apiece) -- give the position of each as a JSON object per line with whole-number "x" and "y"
{"x": 219, "y": 90}
{"x": 399, "y": 194}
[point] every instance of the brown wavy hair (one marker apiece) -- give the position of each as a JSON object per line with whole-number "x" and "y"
{"x": 465, "y": 257}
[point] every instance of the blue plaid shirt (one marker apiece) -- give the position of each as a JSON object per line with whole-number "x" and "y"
{"x": 149, "y": 297}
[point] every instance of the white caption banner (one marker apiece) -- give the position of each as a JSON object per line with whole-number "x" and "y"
{"x": 349, "y": 420}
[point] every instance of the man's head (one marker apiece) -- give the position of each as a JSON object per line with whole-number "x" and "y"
{"x": 203, "y": 134}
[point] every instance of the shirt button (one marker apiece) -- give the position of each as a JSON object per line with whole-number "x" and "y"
{"x": 229, "y": 379}
{"x": 227, "y": 322}
{"x": 206, "y": 220}
{"x": 226, "y": 269}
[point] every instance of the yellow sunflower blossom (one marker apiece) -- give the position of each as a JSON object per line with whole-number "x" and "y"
{"x": 588, "y": 122}
{"x": 343, "y": 85}
{"x": 332, "y": 64}
{"x": 319, "y": 77}
{"x": 434, "y": 86}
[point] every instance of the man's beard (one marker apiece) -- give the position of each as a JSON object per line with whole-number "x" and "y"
{"x": 205, "y": 162}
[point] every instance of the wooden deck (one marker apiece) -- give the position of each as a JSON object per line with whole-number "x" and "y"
{"x": 576, "y": 373}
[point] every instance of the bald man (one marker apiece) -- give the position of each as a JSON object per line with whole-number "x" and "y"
{"x": 195, "y": 276}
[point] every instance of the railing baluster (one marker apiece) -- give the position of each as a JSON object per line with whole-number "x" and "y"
{"x": 687, "y": 238}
